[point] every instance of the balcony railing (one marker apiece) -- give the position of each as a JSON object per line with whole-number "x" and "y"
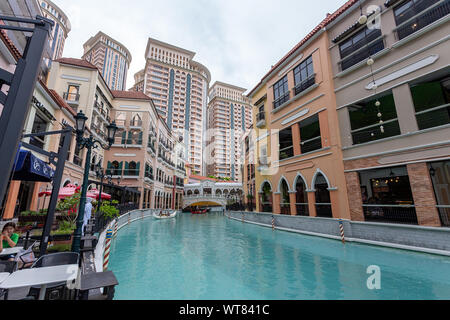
{"x": 71, "y": 97}
{"x": 362, "y": 53}
{"x": 418, "y": 22}
{"x": 390, "y": 214}
{"x": 281, "y": 100}
{"x": 131, "y": 172}
{"x": 311, "y": 145}
{"x": 302, "y": 86}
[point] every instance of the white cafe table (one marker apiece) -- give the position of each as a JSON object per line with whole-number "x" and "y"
{"x": 40, "y": 277}
{"x": 8, "y": 251}
{"x": 3, "y": 276}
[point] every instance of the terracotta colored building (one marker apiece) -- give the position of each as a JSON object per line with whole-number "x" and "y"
{"x": 392, "y": 84}
{"x": 305, "y": 172}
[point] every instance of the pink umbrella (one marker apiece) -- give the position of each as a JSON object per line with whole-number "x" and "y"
{"x": 65, "y": 192}
{"x": 94, "y": 194}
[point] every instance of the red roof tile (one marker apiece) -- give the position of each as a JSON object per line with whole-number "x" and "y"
{"x": 9, "y": 44}
{"x": 77, "y": 62}
{"x": 130, "y": 95}
{"x": 330, "y": 18}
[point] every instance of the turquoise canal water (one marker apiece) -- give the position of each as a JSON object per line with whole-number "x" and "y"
{"x": 214, "y": 258}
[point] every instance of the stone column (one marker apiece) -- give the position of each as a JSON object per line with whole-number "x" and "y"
{"x": 423, "y": 194}
{"x": 312, "y": 203}
{"x": 404, "y": 106}
{"x": 12, "y": 195}
{"x": 293, "y": 202}
{"x": 334, "y": 198}
{"x": 354, "y": 196}
{"x": 296, "y": 139}
{"x": 277, "y": 203}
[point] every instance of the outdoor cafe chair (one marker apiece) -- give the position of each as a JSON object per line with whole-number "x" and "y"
{"x": 26, "y": 258}
{"x": 58, "y": 290}
{"x": 7, "y": 267}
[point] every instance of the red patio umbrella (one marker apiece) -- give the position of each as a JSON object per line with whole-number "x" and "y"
{"x": 94, "y": 194}
{"x": 65, "y": 192}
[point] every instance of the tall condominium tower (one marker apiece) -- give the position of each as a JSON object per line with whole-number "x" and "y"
{"x": 61, "y": 29}
{"x": 229, "y": 117}
{"x": 110, "y": 57}
{"x": 178, "y": 86}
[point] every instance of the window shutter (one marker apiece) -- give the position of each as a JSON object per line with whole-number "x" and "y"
{"x": 140, "y": 138}
{"x": 130, "y": 137}
{"x": 126, "y": 168}
{"x": 137, "y": 168}
{"x": 124, "y": 137}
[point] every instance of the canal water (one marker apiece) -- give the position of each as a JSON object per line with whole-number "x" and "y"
{"x": 213, "y": 258}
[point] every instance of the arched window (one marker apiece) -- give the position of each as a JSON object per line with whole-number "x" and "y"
{"x": 301, "y": 198}
{"x": 323, "y": 200}
{"x": 285, "y": 204}
{"x": 136, "y": 121}
{"x": 266, "y": 198}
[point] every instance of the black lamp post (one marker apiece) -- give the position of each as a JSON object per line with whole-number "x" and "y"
{"x": 101, "y": 175}
{"x": 89, "y": 144}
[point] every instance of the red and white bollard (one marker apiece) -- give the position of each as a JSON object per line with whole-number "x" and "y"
{"x": 273, "y": 223}
{"x": 107, "y": 249}
{"x": 341, "y": 227}
{"x": 242, "y": 217}
{"x": 129, "y": 219}
{"x": 116, "y": 228}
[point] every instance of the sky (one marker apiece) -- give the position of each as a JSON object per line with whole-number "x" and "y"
{"x": 237, "y": 40}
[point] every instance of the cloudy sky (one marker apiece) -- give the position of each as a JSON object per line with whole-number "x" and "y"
{"x": 237, "y": 40}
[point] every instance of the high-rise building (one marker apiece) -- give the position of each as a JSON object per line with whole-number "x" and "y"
{"x": 178, "y": 86}
{"x": 110, "y": 57}
{"x": 229, "y": 117}
{"x": 60, "y": 30}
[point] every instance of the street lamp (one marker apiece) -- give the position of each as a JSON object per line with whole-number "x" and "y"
{"x": 101, "y": 175}
{"x": 88, "y": 143}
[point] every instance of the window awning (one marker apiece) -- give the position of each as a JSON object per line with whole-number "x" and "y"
{"x": 28, "y": 167}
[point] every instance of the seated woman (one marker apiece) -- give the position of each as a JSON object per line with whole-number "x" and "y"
{"x": 8, "y": 239}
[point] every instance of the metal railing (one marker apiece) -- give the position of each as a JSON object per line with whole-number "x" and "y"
{"x": 283, "y": 99}
{"x": 267, "y": 207}
{"x": 418, "y": 22}
{"x": 433, "y": 117}
{"x": 311, "y": 144}
{"x": 323, "y": 210}
{"x": 285, "y": 209}
{"x": 444, "y": 214}
{"x": 136, "y": 123}
{"x": 302, "y": 86}
{"x": 362, "y": 54}
{"x": 402, "y": 214}
{"x": 302, "y": 209}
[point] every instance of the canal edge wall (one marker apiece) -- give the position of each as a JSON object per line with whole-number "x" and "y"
{"x": 431, "y": 240}
{"x": 123, "y": 221}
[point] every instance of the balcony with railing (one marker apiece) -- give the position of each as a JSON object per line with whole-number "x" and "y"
{"x": 96, "y": 129}
{"x": 363, "y": 53}
{"x": 261, "y": 119}
{"x": 281, "y": 100}
{"x": 311, "y": 145}
{"x": 302, "y": 86}
{"x": 432, "y": 12}
{"x": 101, "y": 112}
{"x": 131, "y": 173}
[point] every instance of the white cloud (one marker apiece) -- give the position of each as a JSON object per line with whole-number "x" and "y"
{"x": 238, "y": 40}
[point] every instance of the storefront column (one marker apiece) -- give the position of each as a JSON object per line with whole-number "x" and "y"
{"x": 276, "y": 203}
{"x": 35, "y": 197}
{"x": 141, "y": 199}
{"x": 354, "y": 196}
{"x": 334, "y": 197}
{"x": 296, "y": 139}
{"x": 10, "y": 206}
{"x": 312, "y": 203}
{"x": 423, "y": 194}
{"x": 293, "y": 202}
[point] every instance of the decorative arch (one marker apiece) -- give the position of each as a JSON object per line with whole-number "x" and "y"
{"x": 262, "y": 186}
{"x": 66, "y": 182}
{"x": 299, "y": 176}
{"x": 279, "y": 184}
{"x": 318, "y": 171}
